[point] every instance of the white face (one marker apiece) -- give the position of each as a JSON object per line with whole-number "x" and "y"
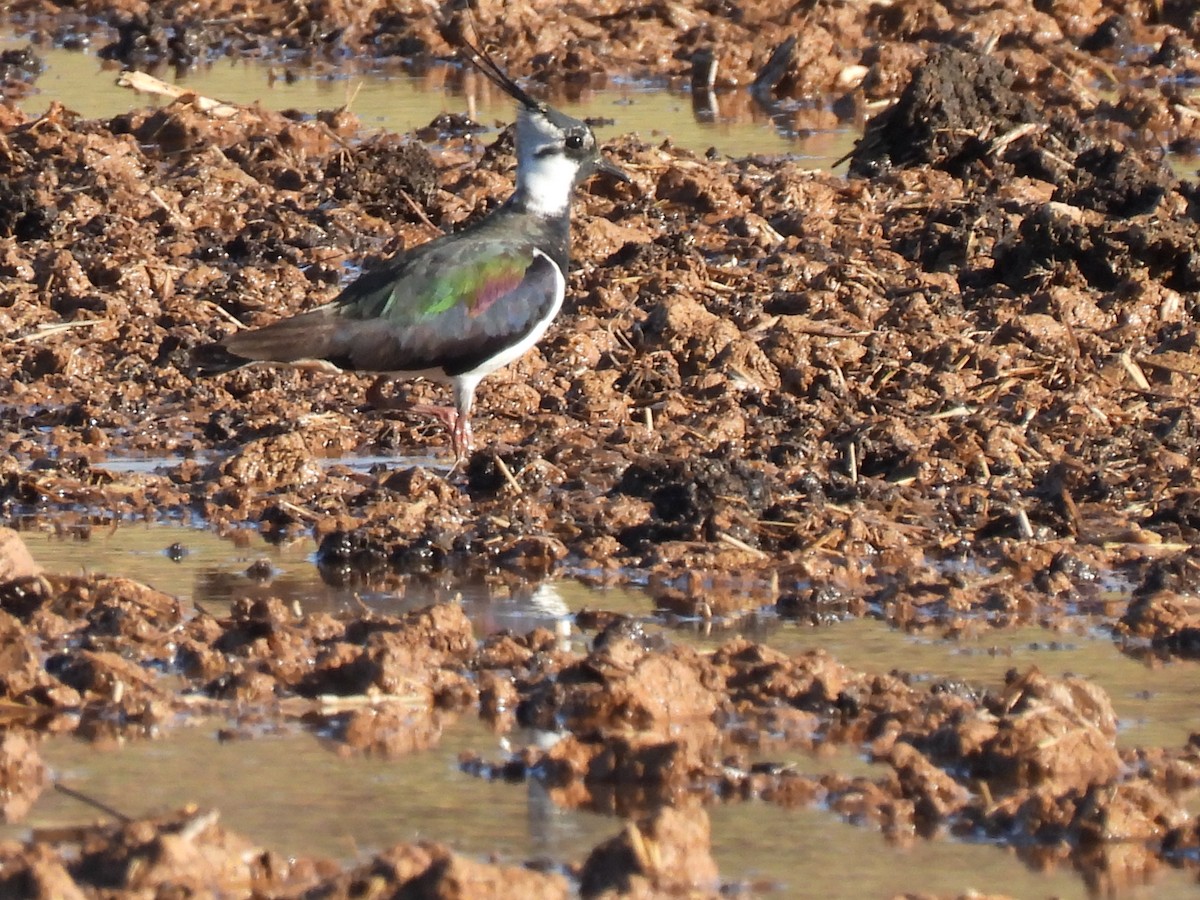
{"x": 545, "y": 184}
{"x": 550, "y": 158}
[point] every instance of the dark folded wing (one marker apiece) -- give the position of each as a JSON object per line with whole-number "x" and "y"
{"x": 430, "y": 316}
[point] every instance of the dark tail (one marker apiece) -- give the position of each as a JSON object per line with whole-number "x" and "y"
{"x": 311, "y": 336}
{"x": 213, "y": 359}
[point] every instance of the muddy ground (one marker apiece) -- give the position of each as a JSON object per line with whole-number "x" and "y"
{"x": 953, "y": 390}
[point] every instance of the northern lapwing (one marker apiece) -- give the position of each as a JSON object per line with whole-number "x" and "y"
{"x": 463, "y": 305}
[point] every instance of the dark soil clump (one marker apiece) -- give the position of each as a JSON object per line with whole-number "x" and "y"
{"x": 955, "y": 103}
{"x": 953, "y": 392}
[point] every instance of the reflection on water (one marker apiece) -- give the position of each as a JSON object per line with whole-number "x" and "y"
{"x": 1155, "y": 703}
{"x": 266, "y": 789}
{"x": 159, "y": 465}
{"x": 202, "y": 567}
{"x": 811, "y": 855}
{"x": 400, "y": 103}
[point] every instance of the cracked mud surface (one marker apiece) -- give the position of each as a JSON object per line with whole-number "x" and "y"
{"x": 953, "y": 390}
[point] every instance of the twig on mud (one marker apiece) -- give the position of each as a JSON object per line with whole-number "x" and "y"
{"x": 739, "y": 544}
{"x": 619, "y": 337}
{"x": 541, "y": 465}
{"x": 198, "y": 824}
{"x": 148, "y": 84}
{"x": 53, "y": 328}
{"x": 173, "y": 213}
{"x": 778, "y": 523}
{"x": 226, "y": 314}
{"x": 645, "y": 850}
{"x": 299, "y": 511}
{"x": 92, "y": 802}
{"x": 1000, "y": 144}
{"x": 986, "y": 793}
{"x": 1173, "y": 361}
{"x": 955, "y": 412}
{"x": 1023, "y": 526}
{"x": 984, "y": 467}
{"x": 507, "y": 473}
{"x": 1134, "y": 371}
{"x": 425, "y": 220}
{"x": 352, "y": 95}
{"x": 828, "y": 537}
{"x": 332, "y": 702}
{"x": 805, "y": 326}
{"x": 1148, "y": 548}
{"x": 1087, "y": 61}
{"x": 718, "y": 288}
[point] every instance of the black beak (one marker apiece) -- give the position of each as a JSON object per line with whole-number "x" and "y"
{"x": 612, "y": 169}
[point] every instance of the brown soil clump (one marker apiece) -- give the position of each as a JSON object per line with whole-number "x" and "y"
{"x": 190, "y": 853}
{"x": 666, "y": 854}
{"x": 954, "y": 391}
{"x": 735, "y": 373}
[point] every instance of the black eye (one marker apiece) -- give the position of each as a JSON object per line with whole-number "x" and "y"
{"x": 574, "y": 141}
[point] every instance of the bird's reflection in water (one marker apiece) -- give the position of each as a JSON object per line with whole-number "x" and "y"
{"x": 492, "y": 605}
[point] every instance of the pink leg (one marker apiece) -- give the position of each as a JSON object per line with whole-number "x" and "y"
{"x": 444, "y": 414}
{"x": 456, "y": 419}
{"x": 461, "y": 437}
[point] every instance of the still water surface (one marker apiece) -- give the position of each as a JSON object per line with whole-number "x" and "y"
{"x": 291, "y": 792}
{"x": 735, "y": 126}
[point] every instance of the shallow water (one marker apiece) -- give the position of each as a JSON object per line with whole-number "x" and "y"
{"x": 158, "y": 465}
{"x": 290, "y": 792}
{"x": 735, "y": 126}
{"x": 1154, "y": 701}
{"x": 200, "y": 566}
{"x": 808, "y": 854}
{"x": 265, "y": 789}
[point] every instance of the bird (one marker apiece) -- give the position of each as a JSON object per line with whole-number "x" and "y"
{"x": 461, "y": 306}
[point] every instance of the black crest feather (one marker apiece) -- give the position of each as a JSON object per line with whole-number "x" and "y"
{"x": 478, "y": 56}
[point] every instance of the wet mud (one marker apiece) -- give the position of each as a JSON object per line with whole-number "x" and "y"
{"x": 953, "y": 390}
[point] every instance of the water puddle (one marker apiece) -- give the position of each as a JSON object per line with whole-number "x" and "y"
{"x": 1155, "y": 702}
{"x": 731, "y": 123}
{"x": 808, "y": 855}
{"x": 265, "y": 786}
{"x": 200, "y": 566}
{"x": 160, "y": 465}
{"x": 265, "y": 789}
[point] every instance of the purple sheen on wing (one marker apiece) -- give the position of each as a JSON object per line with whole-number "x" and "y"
{"x": 493, "y": 290}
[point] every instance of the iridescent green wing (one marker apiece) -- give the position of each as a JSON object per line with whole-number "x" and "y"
{"x": 445, "y": 307}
